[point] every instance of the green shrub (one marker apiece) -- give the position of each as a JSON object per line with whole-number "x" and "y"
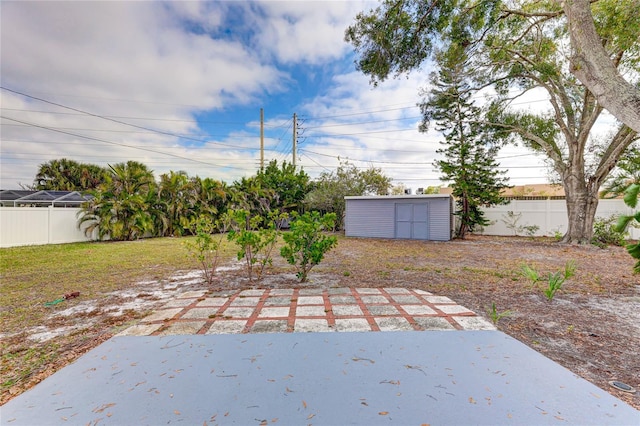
{"x": 306, "y": 243}
{"x": 605, "y": 232}
{"x": 256, "y": 237}
{"x": 206, "y": 247}
{"x": 511, "y": 219}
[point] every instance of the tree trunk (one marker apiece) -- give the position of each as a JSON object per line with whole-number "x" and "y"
{"x": 595, "y": 69}
{"x": 582, "y": 202}
{"x": 464, "y": 215}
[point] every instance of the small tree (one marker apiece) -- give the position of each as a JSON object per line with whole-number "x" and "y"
{"x": 511, "y": 219}
{"x": 306, "y": 243}
{"x": 469, "y": 159}
{"x": 206, "y": 247}
{"x": 256, "y": 237}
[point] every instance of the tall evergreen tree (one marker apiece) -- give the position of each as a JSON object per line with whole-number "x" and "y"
{"x": 469, "y": 161}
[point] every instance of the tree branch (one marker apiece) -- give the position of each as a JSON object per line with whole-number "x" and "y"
{"x": 550, "y": 149}
{"x": 591, "y": 64}
{"x": 621, "y": 141}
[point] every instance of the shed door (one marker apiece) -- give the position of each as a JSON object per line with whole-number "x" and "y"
{"x": 412, "y": 221}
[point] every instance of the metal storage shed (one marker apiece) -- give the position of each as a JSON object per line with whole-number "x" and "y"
{"x": 417, "y": 217}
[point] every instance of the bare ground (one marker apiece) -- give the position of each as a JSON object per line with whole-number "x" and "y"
{"x": 591, "y": 327}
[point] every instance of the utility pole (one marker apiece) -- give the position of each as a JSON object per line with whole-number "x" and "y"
{"x": 261, "y": 138}
{"x": 295, "y": 134}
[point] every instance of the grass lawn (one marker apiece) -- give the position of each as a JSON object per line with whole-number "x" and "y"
{"x": 34, "y": 275}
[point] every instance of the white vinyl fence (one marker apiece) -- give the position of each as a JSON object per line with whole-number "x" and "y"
{"x": 549, "y": 215}
{"x": 21, "y": 226}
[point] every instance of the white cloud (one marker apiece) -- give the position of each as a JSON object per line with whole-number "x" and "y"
{"x": 306, "y": 31}
{"x": 126, "y": 59}
{"x": 166, "y": 65}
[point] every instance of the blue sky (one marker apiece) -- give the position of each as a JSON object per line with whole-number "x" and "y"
{"x": 179, "y": 86}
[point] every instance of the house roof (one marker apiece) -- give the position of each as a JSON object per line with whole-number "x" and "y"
{"x": 532, "y": 190}
{"x": 394, "y": 197}
{"x": 17, "y": 198}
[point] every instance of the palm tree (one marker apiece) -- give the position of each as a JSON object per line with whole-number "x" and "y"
{"x": 120, "y": 209}
{"x": 178, "y": 197}
{"x": 97, "y": 215}
{"x": 213, "y": 197}
{"x": 157, "y": 208}
{"x": 68, "y": 175}
{"x": 131, "y": 177}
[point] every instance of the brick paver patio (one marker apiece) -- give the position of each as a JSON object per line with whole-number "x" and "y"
{"x": 308, "y": 310}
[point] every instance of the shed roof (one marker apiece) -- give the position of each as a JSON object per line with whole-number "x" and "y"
{"x": 395, "y": 197}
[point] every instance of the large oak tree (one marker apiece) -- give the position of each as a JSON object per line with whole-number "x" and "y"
{"x": 517, "y": 46}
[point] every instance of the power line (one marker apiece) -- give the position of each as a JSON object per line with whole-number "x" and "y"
{"x": 361, "y": 113}
{"x": 82, "y": 144}
{"x": 410, "y": 163}
{"x": 273, "y": 126}
{"x": 363, "y": 122}
{"x": 360, "y": 133}
{"x": 45, "y": 157}
{"x": 114, "y": 143}
{"x": 111, "y": 119}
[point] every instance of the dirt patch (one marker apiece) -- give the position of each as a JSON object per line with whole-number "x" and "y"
{"x": 591, "y": 327}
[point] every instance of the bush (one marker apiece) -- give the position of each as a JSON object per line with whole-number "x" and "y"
{"x": 605, "y": 232}
{"x": 206, "y": 248}
{"x": 306, "y": 244}
{"x": 256, "y": 237}
{"x": 511, "y": 219}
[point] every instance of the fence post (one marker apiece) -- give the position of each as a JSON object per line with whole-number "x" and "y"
{"x": 547, "y": 217}
{"x": 49, "y": 224}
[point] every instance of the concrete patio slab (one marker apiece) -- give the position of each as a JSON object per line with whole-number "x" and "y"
{"x": 403, "y": 378}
